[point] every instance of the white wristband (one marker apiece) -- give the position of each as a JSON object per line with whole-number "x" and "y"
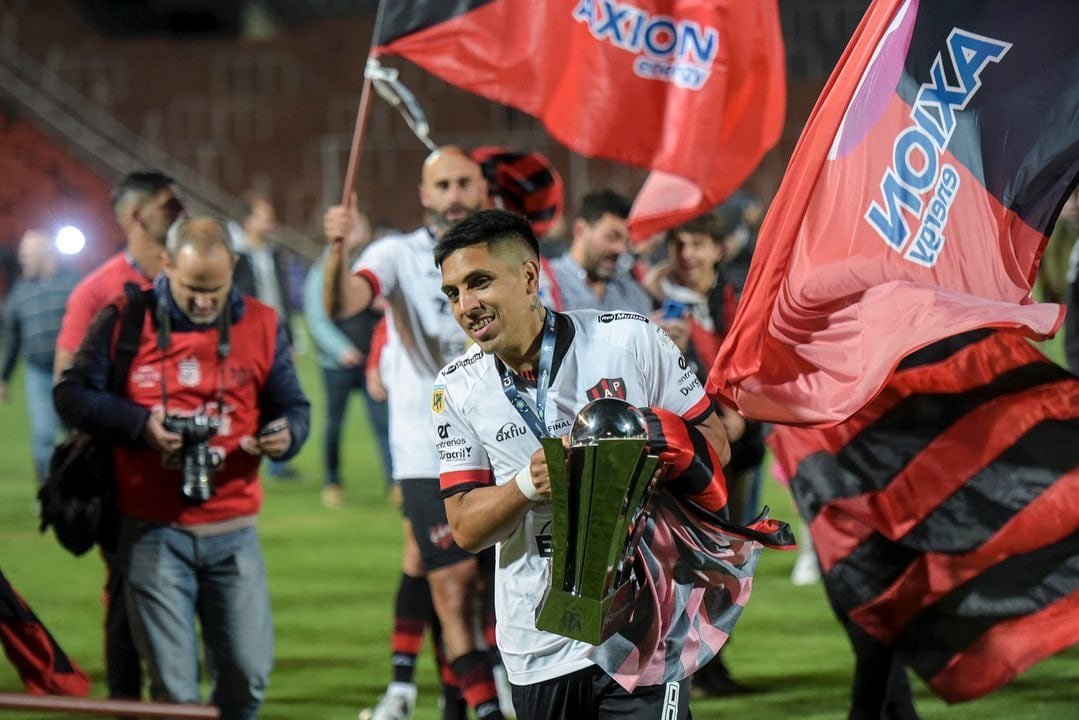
{"x": 525, "y": 484}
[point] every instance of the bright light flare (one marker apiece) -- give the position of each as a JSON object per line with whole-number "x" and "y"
{"x": 70, "y": 240}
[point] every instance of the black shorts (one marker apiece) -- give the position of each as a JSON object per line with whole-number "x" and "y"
{"x": 591, "y": 693}
{"x": 426, "y": 511}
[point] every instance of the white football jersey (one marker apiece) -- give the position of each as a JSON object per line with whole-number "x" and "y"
{"x": 421, "y": 335}
{"x": 483, "y": 440}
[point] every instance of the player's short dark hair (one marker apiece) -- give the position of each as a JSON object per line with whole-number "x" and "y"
{"x": 486, "y": 226}
{"x": 596, "y": 204}
{"x": 142, "y": 182}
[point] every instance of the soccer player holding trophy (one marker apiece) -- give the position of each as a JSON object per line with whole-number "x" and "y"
{"x": 617, "y": 573}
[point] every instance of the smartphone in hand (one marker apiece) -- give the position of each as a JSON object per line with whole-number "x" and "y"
{"x": 274, "y": 427}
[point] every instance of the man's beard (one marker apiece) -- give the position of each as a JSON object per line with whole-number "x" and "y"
{"x": 442, "y": 221}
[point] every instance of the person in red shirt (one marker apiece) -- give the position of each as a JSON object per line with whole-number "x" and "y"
{"x": 211, "y": 389}
{"x": 145, "y": 204}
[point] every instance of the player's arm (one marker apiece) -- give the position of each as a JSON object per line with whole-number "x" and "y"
{"x": 343, "y": 293}
{"x": 712, "y": 427}
{"x": 482, "y": 516}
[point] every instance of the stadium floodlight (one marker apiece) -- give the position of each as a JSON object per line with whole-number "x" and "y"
{"x": 70, "y": 240}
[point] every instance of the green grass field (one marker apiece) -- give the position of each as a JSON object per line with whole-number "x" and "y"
{"x": 332, "y": 577}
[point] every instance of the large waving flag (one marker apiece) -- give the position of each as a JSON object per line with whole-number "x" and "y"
{"x": 693, "y": 90}
{"x": 945, "y": 513}
{"x": 915, "y": 207}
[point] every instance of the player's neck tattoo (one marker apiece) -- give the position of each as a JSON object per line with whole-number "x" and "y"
{"x": 535, "y": 306}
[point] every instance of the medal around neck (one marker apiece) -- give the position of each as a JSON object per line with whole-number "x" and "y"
{"x": 599, "y": 500}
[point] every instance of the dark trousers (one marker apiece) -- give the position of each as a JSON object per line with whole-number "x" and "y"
{"x": 591, "y": 693}
{"x": 339, "y": 385}
{"x": 122, "y": 670}
{"x": 881, "y": 689}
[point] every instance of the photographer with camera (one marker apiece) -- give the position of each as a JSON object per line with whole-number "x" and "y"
{"x": 211, "y": 389}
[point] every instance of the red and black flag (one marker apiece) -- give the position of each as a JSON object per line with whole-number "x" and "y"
{"x": 694, "y": 91}
{"x": 915, "y": 207}
{"x": 39, "y": 660}
{"x": 945, "y": 513}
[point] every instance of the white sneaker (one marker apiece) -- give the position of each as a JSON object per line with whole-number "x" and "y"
{"x": 806, "y": 570}
{"x": 505, "y": 692}
{"x": 398, "y": 703}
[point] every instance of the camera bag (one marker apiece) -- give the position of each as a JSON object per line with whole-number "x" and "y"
{"x": 78, "y": 498}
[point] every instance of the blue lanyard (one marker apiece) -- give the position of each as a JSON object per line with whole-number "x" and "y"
{"x": 538, "y": 426}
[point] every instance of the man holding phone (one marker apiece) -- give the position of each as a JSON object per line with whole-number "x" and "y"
{"x": 211, "y": 388}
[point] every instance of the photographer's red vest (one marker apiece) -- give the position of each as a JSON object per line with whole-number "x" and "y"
{"x": 195, "y": 376}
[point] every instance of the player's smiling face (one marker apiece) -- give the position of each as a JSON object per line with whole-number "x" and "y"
{"x": 493, "y": 296}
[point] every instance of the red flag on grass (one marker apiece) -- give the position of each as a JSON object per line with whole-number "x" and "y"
{"x": 944, "y": 512}
{"x": 915, "y": 206}
{"x": 692, "y": 90}
{"x": 42, "y": 665}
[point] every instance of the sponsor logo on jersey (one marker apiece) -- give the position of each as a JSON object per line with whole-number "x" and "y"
{"x": 510, "y": 431}
{"x": 443, "y": 431}
{"x": 451, "y": 455}
{"x": 462, "y": 363}
{"x": 608, "y": 388}
{"x": 146, "y": 376}
{"x": 190, "y": 374}
{"x": 438, "y": 399}
{"x": 682, "y": 362}
{"x": 612, "y": 316}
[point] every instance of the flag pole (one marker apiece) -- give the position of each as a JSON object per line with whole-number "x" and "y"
{"x": 357, "y": 141}
{"x": 361, "y": 113}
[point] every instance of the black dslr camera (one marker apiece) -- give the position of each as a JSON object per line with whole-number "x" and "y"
{"x": 196, "y": 460}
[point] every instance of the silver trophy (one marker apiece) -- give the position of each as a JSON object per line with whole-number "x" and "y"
{"x": 598, "y": 502}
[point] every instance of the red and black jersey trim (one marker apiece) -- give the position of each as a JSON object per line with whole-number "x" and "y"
{"x": 459, "y": 481}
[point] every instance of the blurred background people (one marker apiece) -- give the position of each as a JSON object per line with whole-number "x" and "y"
{"x": 592, "y": 274}
{"x": 262, "y": 272}
{"x": 344, "y": 351}
{"x": 32, "y": 316}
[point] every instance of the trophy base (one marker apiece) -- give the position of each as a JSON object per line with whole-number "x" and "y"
{"x": 585, "y": 619}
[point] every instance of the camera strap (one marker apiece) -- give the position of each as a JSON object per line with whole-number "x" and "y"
{"x": 224, "y": 347}
{"x": 538, "y": 425}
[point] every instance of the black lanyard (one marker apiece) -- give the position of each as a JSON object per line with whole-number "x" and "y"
{"x": 538, "y": 426}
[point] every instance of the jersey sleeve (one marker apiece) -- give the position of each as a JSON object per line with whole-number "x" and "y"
{"x": 675, "y": 387}
{"x": 379, "y": 265}
{"x": 81, "y": 306}
{"x": 463, "y": 463}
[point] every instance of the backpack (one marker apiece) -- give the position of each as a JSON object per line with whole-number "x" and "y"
{"x": 78, "y": 498}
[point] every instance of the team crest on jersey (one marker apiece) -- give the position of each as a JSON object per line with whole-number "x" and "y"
{"x": 190, "y": 373}
{"x": 608, "y": 388}
{"x": 438, "y": 399}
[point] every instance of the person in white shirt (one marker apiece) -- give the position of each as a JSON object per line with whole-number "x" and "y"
{"x": 421, "y": 337}
{"x": 528, "y": 373}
